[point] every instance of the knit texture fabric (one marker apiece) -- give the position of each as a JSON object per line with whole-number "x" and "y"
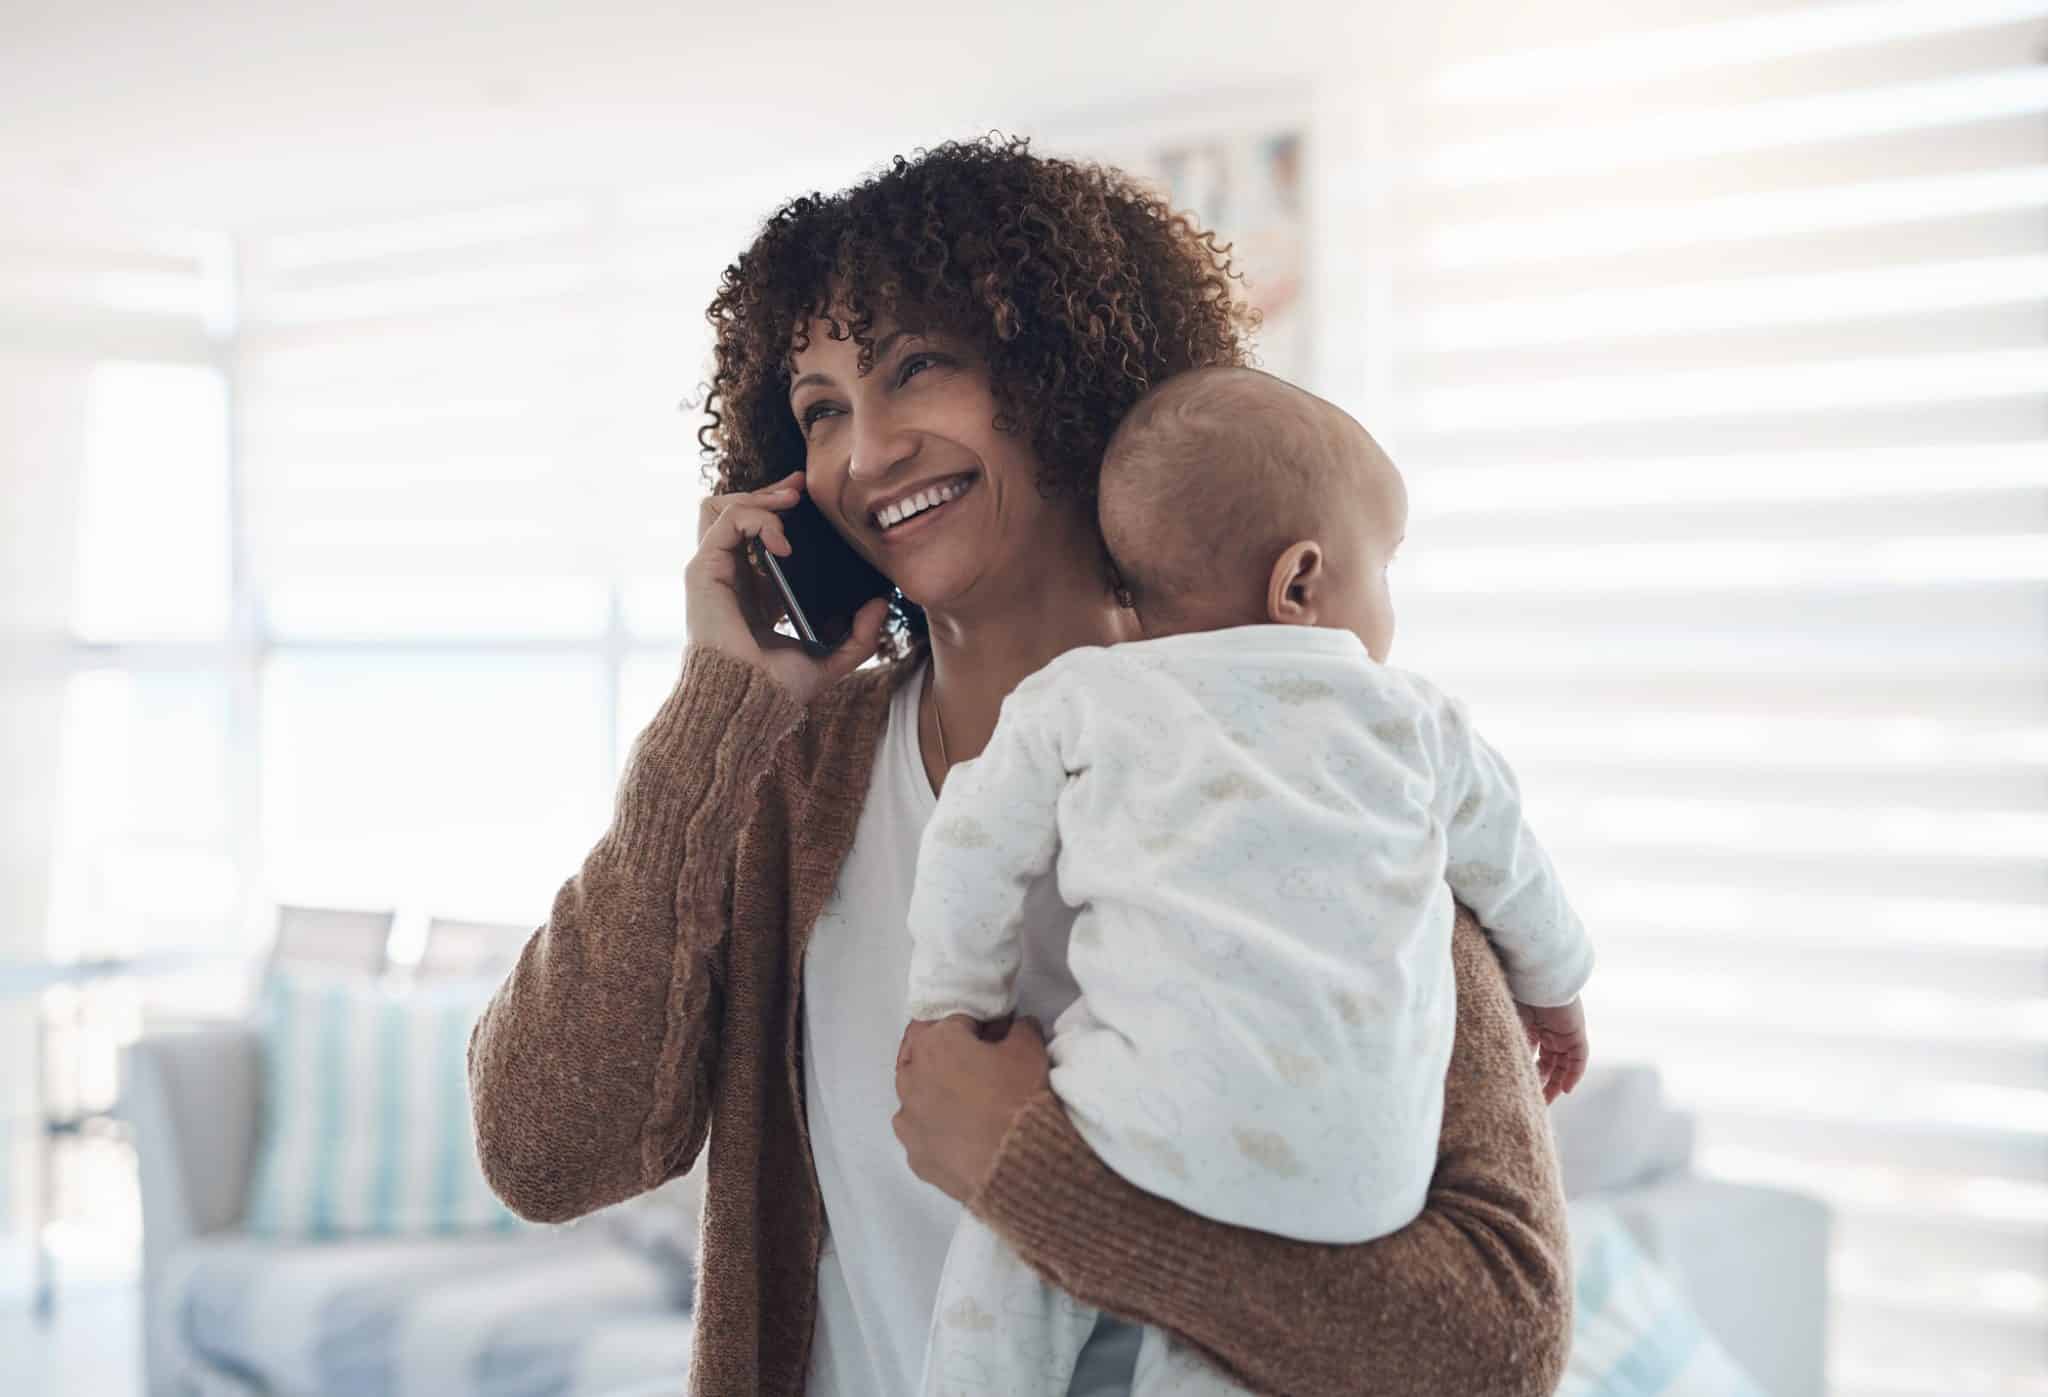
{"x": 662, "y": 996}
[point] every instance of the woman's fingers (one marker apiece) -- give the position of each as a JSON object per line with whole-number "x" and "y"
{"x": 778, "y": 494}
{"x": 1026, "y": 1030}
{"x": 727, "y": 605}
{"x": 862, "y": 641}
{"x": 914, "y": 1034}
{"x": 741, "y": 521}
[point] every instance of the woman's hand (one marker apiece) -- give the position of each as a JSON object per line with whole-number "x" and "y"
{"x": 731, "y": 607}
{"x": 958, "y": 1094}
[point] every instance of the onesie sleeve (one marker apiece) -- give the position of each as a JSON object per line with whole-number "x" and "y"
{"x": 1497, "y": 868}
{"x": 995, "y": 833}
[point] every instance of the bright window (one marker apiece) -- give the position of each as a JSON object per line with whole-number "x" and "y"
{"x": 458, "y": 784}
{"x": 144, "y": 850}
{"x": 153, "y": 552}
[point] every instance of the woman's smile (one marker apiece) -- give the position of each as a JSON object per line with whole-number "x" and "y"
{"x": 910, "y": 516}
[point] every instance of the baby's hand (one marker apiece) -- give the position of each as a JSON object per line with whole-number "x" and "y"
{"x": 1559, "y": 1037}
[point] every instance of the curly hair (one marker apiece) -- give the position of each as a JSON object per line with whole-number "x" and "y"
{"x": 1079, "y": 286}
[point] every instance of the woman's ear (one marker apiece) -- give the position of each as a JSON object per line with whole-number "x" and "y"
{"x": 1294, "y": 587}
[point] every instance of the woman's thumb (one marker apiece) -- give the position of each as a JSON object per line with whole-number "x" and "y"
{"x": 862, "y": 640}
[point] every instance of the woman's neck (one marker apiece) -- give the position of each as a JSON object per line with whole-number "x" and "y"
{"x": 978, "y": 658}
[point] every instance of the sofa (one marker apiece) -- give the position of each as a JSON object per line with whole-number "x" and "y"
{"x": 600, "y": 1307}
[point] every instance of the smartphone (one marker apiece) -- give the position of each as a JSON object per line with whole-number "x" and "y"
{"x": 823, "y": 581}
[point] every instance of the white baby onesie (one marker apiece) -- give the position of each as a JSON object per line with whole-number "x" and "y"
{"x": 1261, "y": 829}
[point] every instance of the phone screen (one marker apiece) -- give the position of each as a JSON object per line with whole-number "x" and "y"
{"x": 823, "y": 581}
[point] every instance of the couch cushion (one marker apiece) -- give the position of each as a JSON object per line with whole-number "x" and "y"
{"x": 1752, "y": 1262}
{"x": 1633, "y": 1333}
{"x": 561, "y": 1313}
{"x": 1615, "y": 1130}
{"x": 365, "y": 1122}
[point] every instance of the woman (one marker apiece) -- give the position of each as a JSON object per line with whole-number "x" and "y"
{"x": 938, "y": 356}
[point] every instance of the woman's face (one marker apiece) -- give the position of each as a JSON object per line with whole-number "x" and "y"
{"x": 906, "y": 462}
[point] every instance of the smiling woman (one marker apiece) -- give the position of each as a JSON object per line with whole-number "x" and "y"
{"x": 1060, "y": 291}
{"x": 938, "y": 357}
{"x": 907, "y": 460}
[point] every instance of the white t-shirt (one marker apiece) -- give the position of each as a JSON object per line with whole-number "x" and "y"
{"x": 886, "y": 1231}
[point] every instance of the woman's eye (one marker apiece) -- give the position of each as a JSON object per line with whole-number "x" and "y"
{"x": 811, "y": 415}
{"x": 913, "y": 366}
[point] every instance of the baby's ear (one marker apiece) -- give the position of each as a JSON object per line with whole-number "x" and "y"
{"x": 1294, "y": 587}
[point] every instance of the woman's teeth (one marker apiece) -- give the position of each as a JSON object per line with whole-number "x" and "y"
{"x": 889, "y": 516}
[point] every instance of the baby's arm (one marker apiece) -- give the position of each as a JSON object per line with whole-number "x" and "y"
{"x": 1497, "y": 868}
{"x": 994, "y": 834}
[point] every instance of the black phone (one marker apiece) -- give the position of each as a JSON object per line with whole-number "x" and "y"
{"x": 823, "y": 581}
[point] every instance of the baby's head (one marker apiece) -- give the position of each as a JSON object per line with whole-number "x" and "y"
{"x": 1232, "y": 498}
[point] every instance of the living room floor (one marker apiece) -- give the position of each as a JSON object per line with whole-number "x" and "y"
{"x": 91, "y": 1346}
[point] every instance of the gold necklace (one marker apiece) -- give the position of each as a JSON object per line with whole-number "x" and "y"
{"x": 938, "y": 719}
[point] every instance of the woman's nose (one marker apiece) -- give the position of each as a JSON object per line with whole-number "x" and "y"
{"x": 880, "y": 443}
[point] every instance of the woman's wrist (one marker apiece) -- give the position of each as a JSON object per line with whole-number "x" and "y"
{"x": 1000, "y": 1134}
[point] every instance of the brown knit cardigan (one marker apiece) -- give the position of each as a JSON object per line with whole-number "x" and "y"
{"x": 662, "y": 997}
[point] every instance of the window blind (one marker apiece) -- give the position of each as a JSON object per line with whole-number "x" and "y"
{"x": 478, "y": 421}
{"x": 82, "y": 291}
{"x": 1716, "y": 354}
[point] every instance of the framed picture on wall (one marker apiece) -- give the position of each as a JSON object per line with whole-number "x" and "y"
{"x": 1241, "y": 167}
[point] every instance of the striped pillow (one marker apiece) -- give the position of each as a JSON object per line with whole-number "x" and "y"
{"x": 366, "y": 1122}
{"x": 1633, "y": 1333}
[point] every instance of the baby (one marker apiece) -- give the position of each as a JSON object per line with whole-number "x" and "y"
{"x": 1263, "y": 828}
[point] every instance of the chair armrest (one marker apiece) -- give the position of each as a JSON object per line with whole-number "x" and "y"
{"x": 192, "y": 1101}
{"x": 1753, "y": 1261}
{"x": 1616, "y": 1131}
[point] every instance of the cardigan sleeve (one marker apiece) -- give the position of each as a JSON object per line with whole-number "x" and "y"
{"x": 1473, "y": 1297}
{"x": 590, "y": 1069}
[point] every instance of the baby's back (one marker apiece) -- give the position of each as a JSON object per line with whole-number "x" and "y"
{"x": 1252, "y": 829}
{"x": 1275, "y": 772}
